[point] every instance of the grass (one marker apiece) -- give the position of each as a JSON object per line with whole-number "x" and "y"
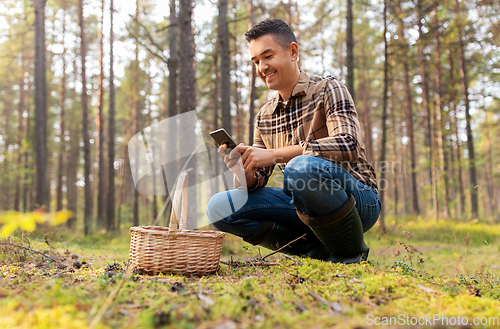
{"x": 418, "y": 269}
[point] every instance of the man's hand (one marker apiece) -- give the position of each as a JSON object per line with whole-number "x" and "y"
{"x": 254, "y": 157}
{"x": 232, "y": 159}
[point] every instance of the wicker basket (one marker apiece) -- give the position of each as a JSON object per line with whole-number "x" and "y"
{"x": 155, "y": 249}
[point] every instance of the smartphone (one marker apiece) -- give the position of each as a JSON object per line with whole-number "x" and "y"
{"x": 222, "y": 137}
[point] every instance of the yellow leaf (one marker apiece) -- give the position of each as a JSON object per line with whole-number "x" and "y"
{"x": 60, "y": 217}
{"x": 37, "y": 217}
{"x": 7, "y": 229}
{"x": 28, "y": 223}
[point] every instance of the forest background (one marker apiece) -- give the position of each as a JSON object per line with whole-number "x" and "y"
{"x": 79, "y": 79}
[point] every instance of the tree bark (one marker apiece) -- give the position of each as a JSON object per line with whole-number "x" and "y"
{"x": 27, "y": 188}
{"x": 384, "y": 120}
{"x": 73, "y": 159}
{"x": 173, "y": 61}
{"x": 240, "y": 129}
{"x": 188, "y": 92}
{"x": 465, "y": 93}
{"x": 443, "y": 170}
{"x": 110, "y": 203}
{"x": 62, "y": 101}
{"x": 458, "y": 152}
{"x": 225, "y": 66}
{"x": 408, "y": 110}
{"x": 101, "y": 139}
{"x": 85, "y": 133}
{"x": 137, "y": 110}
{"x": 40, "y": 141}
{"x": 424, "y": 84}
{"x": 253, "y": 77}
{"x": 19, "y": 133}
{"x": 350, "y": 50}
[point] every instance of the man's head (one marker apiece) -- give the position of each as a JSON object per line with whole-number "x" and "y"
{"x": 275, "y": 53}
{"x": 282, "y": 33}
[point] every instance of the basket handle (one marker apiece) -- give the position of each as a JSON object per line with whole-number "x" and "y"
{"x": 181, "y": 192}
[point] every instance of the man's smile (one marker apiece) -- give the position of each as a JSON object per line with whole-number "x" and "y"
{"x": 269, "y": 75}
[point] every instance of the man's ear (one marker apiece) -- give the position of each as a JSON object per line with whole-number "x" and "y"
{"x": 294, "y": 51}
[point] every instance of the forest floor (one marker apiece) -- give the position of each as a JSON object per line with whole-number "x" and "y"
{"x": 429, "y": 274}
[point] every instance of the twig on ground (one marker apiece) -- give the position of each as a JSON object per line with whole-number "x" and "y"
{"x": 47, "y": 241}
{"x": 299, "y": 306}
{"x": 350, "y": 287}
{"x": 286, "y": 245}
{"x": 109, "y": 300}
{"x": 30, "y": 250}
{"x": 254, "y": 265}
{"x": 248, "y": 263}
{"x": 293, "y": 259}
{"x": 335, "y": 306}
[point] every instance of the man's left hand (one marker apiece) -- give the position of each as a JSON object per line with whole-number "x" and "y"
{"x": 254, "y": 157}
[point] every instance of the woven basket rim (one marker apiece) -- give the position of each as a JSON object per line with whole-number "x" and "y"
{"x": 161, "y": 230}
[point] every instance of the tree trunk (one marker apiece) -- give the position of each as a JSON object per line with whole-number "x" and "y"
{"x": 253, "y": 77}
{"x": 101, "y": 139}
{"x": 188, "y": 92}
{"x": 465, "y": 93}
{"x": 240, "y": 129}
{"x": 492, "y": 197}
{"x": 216, "y": 122}
{"x": 350, "y": 51}
{"x": 85, "y": 133}
{"x": 110, "y": 203}
{"x": 73, "y": 159}
{"x": 365, "y": 107}
{"x": 173, "y": 62}
{"x": 19, "y": 133}
{"x": 394, "y": 151}
{"x": 40, "y": 142}
{"x": 443, "y": 170}
{"x": 225, "y": 66}
{"x": 408, "y": 110}
{"x": 62, "y": 100}
{"x": 173, "y": 67}
{"x": 137, "y": 110}
{"x": 27, "y": 191}
{"x": 384, "y": 121}
{"x": 424, "y": 84}
{"x": 461, "y": 174}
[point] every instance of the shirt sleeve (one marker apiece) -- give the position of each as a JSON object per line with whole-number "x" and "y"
{"x": 342, "y": 125}
{"x": 262, "y": 174}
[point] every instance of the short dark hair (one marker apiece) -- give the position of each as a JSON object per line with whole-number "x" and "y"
{"x": 282, "y": 33}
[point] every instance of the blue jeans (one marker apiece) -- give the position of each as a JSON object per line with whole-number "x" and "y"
{"x": 315, "y": 186}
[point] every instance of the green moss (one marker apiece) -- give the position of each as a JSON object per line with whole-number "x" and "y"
{"x": 427, "y": 268}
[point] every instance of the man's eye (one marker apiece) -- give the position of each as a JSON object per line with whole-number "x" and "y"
{"x": 269, "y": 56}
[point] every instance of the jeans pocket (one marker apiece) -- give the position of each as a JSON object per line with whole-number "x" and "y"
{"x": 370, "y": 215}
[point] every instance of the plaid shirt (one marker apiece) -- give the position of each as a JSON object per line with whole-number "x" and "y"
{"x": 320, "y": 117}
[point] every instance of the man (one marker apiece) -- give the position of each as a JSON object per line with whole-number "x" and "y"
{"x": 310, "y": 129}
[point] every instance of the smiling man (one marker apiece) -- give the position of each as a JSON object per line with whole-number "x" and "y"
{"x": 310, "y": 129}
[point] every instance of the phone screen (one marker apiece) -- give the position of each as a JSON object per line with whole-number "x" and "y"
{"x": 222, "y": 137}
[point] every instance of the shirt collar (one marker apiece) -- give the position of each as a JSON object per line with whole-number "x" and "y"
{"x": 300, "y": 88}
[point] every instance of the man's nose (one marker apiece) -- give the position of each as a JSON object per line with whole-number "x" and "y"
{"x": 263, "y": 66}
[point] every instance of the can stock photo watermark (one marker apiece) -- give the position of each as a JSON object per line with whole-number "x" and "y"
{"x": 430, "y": 320}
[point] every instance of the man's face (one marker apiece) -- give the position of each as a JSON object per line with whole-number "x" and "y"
{"x": 275, "y": 66}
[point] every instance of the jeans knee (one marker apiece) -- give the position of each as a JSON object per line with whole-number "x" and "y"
{"x": 214, "y": 205}
{"x": 297, "y": 173}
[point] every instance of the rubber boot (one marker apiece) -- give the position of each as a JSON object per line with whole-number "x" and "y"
{"x": 341, "y": 232}
{"x": 274, "y": 236}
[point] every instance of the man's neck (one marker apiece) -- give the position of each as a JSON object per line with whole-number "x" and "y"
{"x": 285, "y": 94}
